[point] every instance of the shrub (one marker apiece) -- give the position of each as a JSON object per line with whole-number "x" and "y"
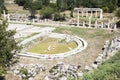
{"x": 23, "y": 71}
{"x": 117, "y": 12}
{"x": 59, "y": 17}
{"x": 46, "y": 12}
{"x": 1, "y": 70}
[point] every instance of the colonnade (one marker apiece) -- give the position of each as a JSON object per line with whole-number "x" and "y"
{"x": 90, "y": 13}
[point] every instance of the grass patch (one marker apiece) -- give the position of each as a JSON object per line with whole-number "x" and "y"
{"x": 87, "y": 32}
{"x": 52, "y": 46}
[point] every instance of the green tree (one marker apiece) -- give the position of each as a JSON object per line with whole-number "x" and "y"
{"x": 2, "y": 6}
{"x": 31, "y": 5}
{"x": 45, "y": 2}
{"x": 46, "y": 12}
{"x": 1, "y": 70}
{"x": 78, "y": 3}
{"x": 117, "y": 12}
{"x": 59, "y": 17}
{"x": 8, "y": 45}
{"x": 71, "y": 4}
{"x": 62, "y": 5}
{"x": 20, "y": 2}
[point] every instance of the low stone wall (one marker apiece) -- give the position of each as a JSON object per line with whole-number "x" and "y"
{"x": 81, "y": 45}
{"x": 61, "y": 70}
{"x": 109, "y": 49}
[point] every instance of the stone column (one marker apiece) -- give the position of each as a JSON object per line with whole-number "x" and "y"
{"x": 90, "y": 21}
{"x": 45, "y": 20}
{"x": 108, "y": 25}
{"x": 4, "y": 14}
{"x": 86, "y": 13}
{"x": 33, "y": 20}
{"x": 83, "y": 23}
{"x": 78, "y": 19}
{"x": 115, "y": 27}
{"x": 82, "y": 13}
{"x": 8, "y": 17}
{"x": 96, "y": 24}
{"x": 96, "y": 14}
{"x": 101, "y": 24}
{"x": 91, "y": 14}
{"x": 101, "y": 14}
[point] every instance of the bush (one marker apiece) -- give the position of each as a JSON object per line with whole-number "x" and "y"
{"x": 105, "y": 9}
{"x": 117, "y": 12}
{"x": 20, "y": 2}
{"x": 2, "y": 7}
{"x": 59, "y": 17}
{"x": 23, "y": 71}
{"x": 1, "y": 71}
{"x": 46, "y": 12}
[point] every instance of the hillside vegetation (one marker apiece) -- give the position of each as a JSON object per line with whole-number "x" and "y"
{"x": 109, "y": 70}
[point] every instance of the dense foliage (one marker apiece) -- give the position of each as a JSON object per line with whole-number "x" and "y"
{"x": 47, "y": 12}
{"x": 61, "y": 5}
{"x": 8, "y": 46}
{"x": 2, "y": 7}
{"x": 70, "y": 4}
{"x": 117, "y": 12}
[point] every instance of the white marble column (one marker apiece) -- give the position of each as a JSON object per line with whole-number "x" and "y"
{"x": 91, "y": 14}
{"x": 8, "y": 17}
{"x": 101, "y": 24}
{"x": 33, "y": 20}
{"x": 45, "y": 20}
{"x": 115, "y": 27}
{"x": 86, "y": 13}
{"x": 96, "y": 14}
{"x": 96, "y": 24}
{"x": 4, "y": 14}
{"x": 90, "y": 21}
{"x": 78, "y": 18}
{"x": 83, "y": 23}
{"x": 101, "y": 14}
{"x": 108, "y": 25}
{"x": 82, "y": 13}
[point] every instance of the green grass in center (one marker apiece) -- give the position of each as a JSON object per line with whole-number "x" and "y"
{"x": 52, "y": 46}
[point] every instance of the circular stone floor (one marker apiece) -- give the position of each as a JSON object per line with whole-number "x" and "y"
{"x": 47, "y": 45}
{"x": 81, "y": 45}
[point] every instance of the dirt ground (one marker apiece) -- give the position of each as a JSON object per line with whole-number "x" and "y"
{"x": 86, "y": 57}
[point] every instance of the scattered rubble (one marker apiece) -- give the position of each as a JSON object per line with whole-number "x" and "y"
{"x": 26, "y": 70}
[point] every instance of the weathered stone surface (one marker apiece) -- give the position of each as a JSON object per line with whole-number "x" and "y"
{"x": 88, "y": 68}
{"x": 94, "y": 66}
{"x": 32, "y": 69}
{"x": 61, "y": 70}
{"x": 80, "y": 74}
